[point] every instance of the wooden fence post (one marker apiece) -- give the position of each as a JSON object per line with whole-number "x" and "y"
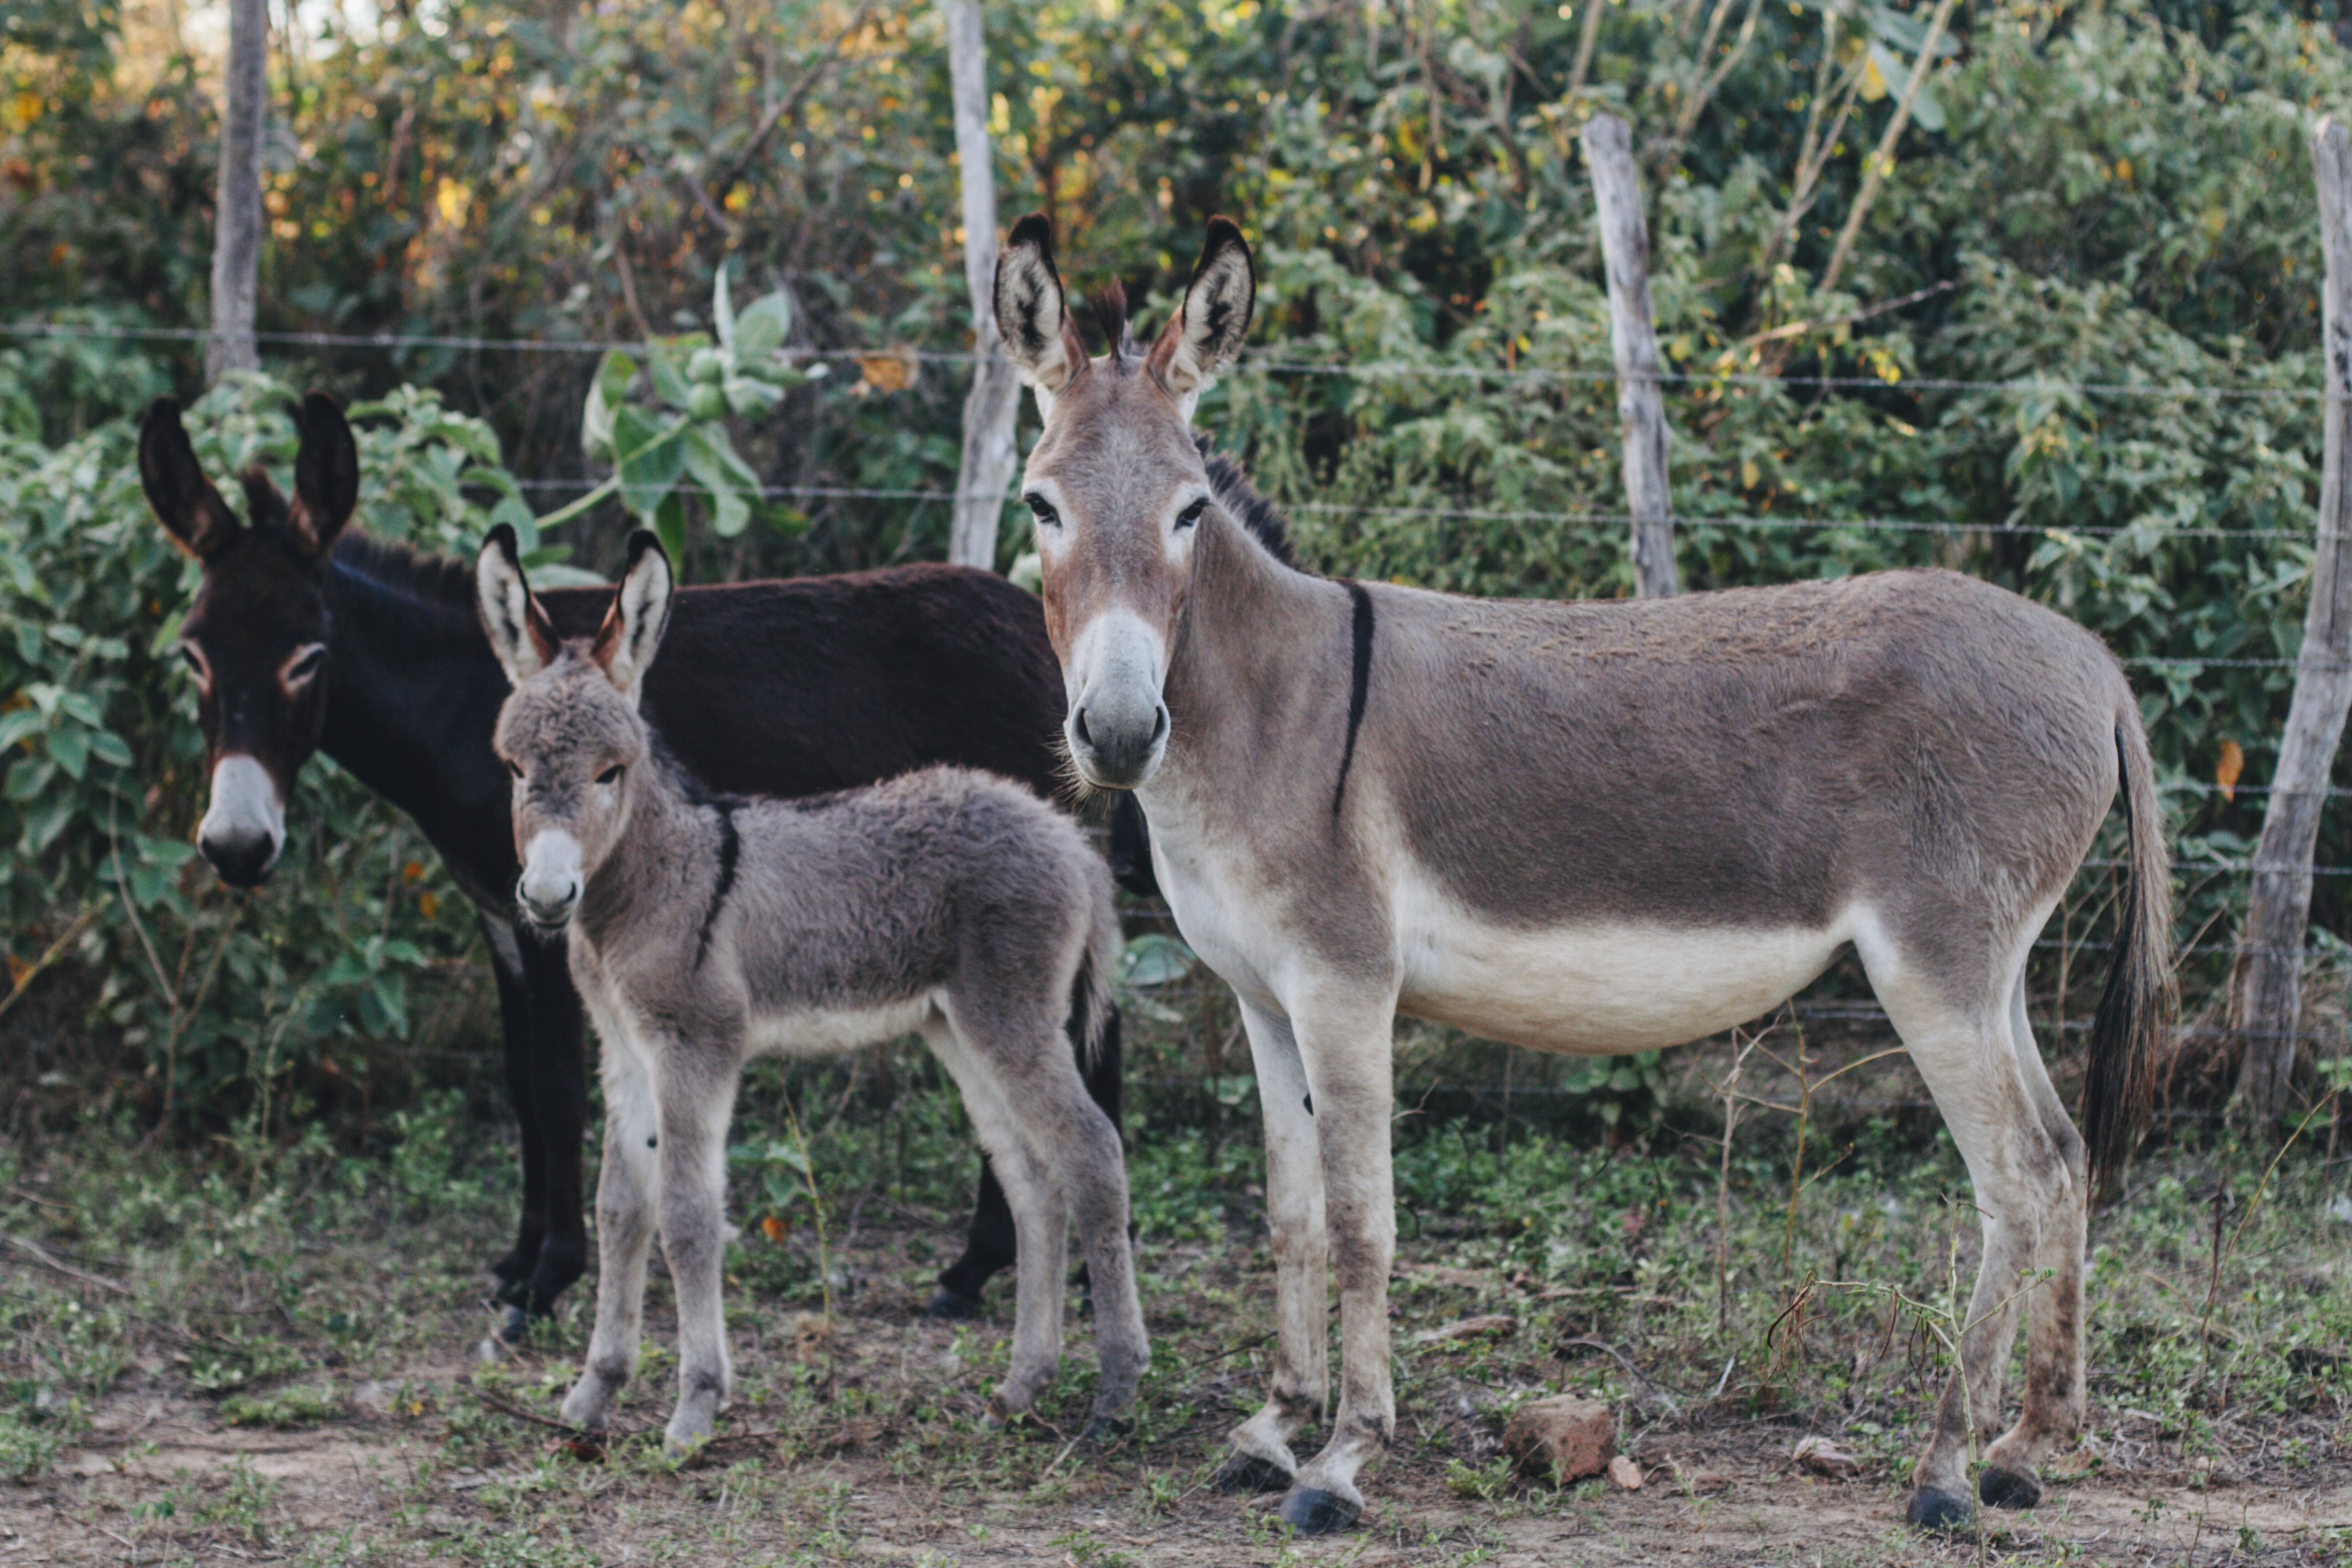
{"x": 2267, "y": 1006}
{"x": 237, "y": 212}
{"x": 1633, "y": 336}
{"x": 994, "y": 400}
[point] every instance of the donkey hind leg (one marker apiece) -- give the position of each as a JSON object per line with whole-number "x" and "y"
{"x": 1040, "y": 1222}
{"x": 1345, "y": 1042}
{"x": 2018, "y": 1169}
{"x": 1262, "y": 1460}
{"x": 627, "y": 1188}
{"x": 697, "y": 1097}
{"x": 2052, "y": 1416}
{"x": 990, "y": 1247}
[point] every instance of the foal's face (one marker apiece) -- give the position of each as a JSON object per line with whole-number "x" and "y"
{"x": 570, "y": 737}
{"x": 255, "y": 638}
{"x": 1118, "y": 487}
{"x": 571, "y": 733}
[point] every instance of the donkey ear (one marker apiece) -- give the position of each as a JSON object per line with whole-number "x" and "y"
{"x": 520, "y": 632}
{"x": 633, "y": 627}
{"x": 1033, "y": 316}
{"x": 326, "y": 476}
{"x": 186, "y": 502}
{"x": 1204, "y": 339}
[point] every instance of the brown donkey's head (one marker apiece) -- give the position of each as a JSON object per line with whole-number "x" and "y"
{"x": 1117, "y": 484}
{"x": 255, "y": 636}
{"x": 571, "y": 733}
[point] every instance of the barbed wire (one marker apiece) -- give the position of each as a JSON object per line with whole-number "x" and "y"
{"x": 1261, "y": 362}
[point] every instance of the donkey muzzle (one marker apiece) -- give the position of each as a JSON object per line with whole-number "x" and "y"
{"x": 1118, "y": 727}
{"x": 549, "y": 888}
{"x": 245, "y": 824}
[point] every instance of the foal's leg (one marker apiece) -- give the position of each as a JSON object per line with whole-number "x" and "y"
{"x": 1344, "y": 1040}
{"x": 696, "y": 1090}
{"x": 2054, "y": 1315}
{"x": 626, "y": 1191}
{"x": 1262, "y": 1459}
{"x": 1039, "y": 1219}
{"x": 1965, "y": 1053}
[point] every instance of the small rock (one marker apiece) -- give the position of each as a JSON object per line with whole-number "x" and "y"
{"x": 1824, "y": 1458}
{"x": 1565, "y": 1436}
{"x": 1469, "y": 1329}
{"x": 374, "y": 1398}
{"x": 1625, "y": 1474}
{"x": 2340, "y": 1207}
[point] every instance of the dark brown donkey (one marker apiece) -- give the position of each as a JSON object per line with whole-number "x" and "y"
{"x": 305, "y": 635}
{"x": 1591, "y": 828}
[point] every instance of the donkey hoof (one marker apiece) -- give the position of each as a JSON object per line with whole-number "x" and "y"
{"x": 1314, "y": 1512}
{"x": 513, "y": 1324}
{"x": 2008, "y": 1489}
{"x": 1108, "y": 1430}
{"x": 948, "y": 1306}
{"x": 1933, "y": 1510}
{"x": 1248, "y": 1473}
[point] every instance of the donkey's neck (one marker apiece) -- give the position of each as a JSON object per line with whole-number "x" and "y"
{"x": 670, "y": 851}
{"x": 412, "y": 697}
{"x": 1257, "y": 685}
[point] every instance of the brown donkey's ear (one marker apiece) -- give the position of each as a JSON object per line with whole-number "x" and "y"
{"x": 633, "y": 627}
{"x": 520, "y": 632}
{"x": 1032, "y": 315}
{"x": 186, "y": 502}
{"x": 326, "y": 476}
{"x": 1204, "y": 339}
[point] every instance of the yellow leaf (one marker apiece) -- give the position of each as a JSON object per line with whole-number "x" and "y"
{"x": 2227, "y": 771}
{"x": 1749, "y": 474}
{"x": 738, "y": 199}
{"x": 1874, "y": 85}
{"x": 887, "y": 372}
{"x": 412, "y": 872}
{"x": 2124, "y": 170}
{"x": 773, "y": 1229}
{"x": 428, "y": 906}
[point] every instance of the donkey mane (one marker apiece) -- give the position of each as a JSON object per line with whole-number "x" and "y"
{"x": 1248, "y": 505}
{"x": 403, "y": 569}
{"x": 1109, "y": 303}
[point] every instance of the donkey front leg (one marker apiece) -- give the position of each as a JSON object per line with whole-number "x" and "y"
{"x": 1344, "y": 1043}
{"x": 627, "y": 1190}
{"x": 697, "y": 1095}
{"x": 1262, "y": 1460}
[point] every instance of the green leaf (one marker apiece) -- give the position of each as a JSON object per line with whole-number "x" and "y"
{"x": 669, "y": 526}
{"x": 1155, "y": 959}
{"x": 668, "y": 379}
{"x": 109, "y": 748}
{"x": 721, "y": 481}
{"x": 762, "y": 327}
{"x": 722, "y": 310}
{"x": 71, "y": 749}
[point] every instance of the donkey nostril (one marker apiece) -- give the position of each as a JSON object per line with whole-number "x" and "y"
{"x": 1159, "y": 725}
{"x": 1078, "y": 723}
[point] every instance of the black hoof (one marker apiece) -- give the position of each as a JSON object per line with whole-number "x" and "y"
{"x": 1248, "y": 1473}
{"x": 948, "y": 1306}
{"x": 514, "y": 1325}
{"x": 514, "y": 1268}
{"x": 1314, "y": 1512}
{"x": 2006, "y": 1488}
{"x": 1108, "y": 1430}
{"x": 1932, "y": 1509}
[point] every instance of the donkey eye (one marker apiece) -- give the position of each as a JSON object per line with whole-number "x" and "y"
{"x": 193, "y": 661}
{"x": 515, "y": 768}
{"x": 1191, "y": 514}
{"x": 306, "y": 666}
{"x": 609, "y": 774}
{"x": 1042, "y": 510}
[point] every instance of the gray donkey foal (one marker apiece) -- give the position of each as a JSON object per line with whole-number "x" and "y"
{"x": 706, "y": 932}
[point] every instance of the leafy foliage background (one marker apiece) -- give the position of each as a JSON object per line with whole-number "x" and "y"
{"x": 2086, "y": 193}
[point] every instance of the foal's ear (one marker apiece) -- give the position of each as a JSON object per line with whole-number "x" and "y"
{"x": 326, "y": 476}
{"x": 1032, "y": 315}
{"x": 520, "y": 632}
{"x": 1204, "y": 340}
{"x": 633, "y": 627}
{"x": 186, "y": 502}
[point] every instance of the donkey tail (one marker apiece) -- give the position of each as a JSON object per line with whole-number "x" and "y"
{"x": 1093, "y": 1014}
{"x": 2135, "y": 1010}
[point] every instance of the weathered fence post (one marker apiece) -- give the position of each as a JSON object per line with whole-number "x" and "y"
{"x": 236, "y": 213}
{"x": 2267, "y": 1006}
{"x": 990, "y": 408}
{"x": 1633, "y": 336}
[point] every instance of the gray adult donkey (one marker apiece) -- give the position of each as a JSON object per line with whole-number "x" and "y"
{"x": 1584, "y": 827}
{"x": 705, "y": 931}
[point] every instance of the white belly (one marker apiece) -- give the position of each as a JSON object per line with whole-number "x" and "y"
{"x": 1597, "y": 989}
{"x": 832, "y": 1031}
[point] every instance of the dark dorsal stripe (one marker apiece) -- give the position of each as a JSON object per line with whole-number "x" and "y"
{"x": 729, "y": 844}
{"x": 1359, "y": 684}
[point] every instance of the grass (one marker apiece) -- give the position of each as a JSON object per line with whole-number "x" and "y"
{"x": 309, "y": 1291}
